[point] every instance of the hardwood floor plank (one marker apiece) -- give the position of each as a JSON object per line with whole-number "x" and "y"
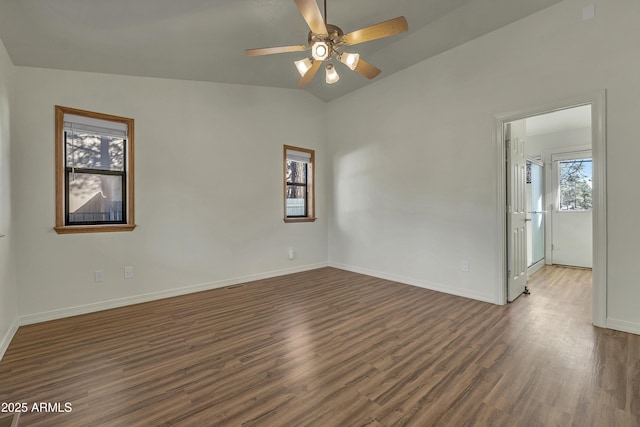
{"x": 332, "y": 348}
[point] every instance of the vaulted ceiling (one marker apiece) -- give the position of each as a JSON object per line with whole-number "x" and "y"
{"x": 205, "y": 40}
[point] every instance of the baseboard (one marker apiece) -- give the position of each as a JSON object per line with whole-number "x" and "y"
{"x": 415, "y": 282}
{"x": 121, "y": 302}
{"x": 535, "y": 267}
{"x": 624, "y": 326}
{"x": 6, "y": 340}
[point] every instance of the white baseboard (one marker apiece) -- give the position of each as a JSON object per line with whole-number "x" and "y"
{"x": 419, "y": 283}
{"x": 121, "y": 302}
{"x": 624, "y": 326}
{"x": 535, "y": 267}
{"x": 6, "y": 340}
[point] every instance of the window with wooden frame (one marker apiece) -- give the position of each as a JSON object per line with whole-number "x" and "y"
{"x": 94, "y": 172}
{"x": 299, "y": 201}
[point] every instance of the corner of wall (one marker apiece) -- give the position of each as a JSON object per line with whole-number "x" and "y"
{"x": 8, "y": 274}
{"x": 6, "y": 339}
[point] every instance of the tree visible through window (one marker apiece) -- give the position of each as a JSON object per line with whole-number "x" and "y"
{"x": 575, "y": 184}
{"x": 298, "y": 184}
{"x": 94, "y": 176}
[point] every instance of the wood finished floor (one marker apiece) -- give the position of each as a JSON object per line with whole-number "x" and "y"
{"x": 332, "y": 348}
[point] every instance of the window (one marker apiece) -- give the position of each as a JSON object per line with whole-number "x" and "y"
{"x": 575, "y": 184}
{"x": 298, "y": 184}
{"x": 94, "y": 172}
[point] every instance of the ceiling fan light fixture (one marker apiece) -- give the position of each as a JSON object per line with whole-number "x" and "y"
{"x": 320, "y": 50}
{"x": 325, "y": 40}
{"x": 349, "y": 59}
{"x": 332, "y": 75}
{"x": 304, "y": 65}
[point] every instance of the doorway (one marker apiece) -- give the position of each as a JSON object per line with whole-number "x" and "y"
{"x": 510, "y": 221}
{"x": 561, "y": 140}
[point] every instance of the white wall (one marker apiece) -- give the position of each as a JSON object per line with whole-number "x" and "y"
{"x": 8, "y": 283}
{"x": 566, "y": 141}
{"x": 569, "y": 236}
{"x": 414, "y": 158}
{"x": 208, "y": 190}
{"x": 572, "y": 239}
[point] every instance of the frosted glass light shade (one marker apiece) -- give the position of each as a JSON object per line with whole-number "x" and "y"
{"x": 304, "y": 65}
{"x": 349, "y": 59}
{"x": 332, "y": 74}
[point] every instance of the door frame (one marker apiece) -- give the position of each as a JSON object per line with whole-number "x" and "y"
{"x": 597, "y": 100}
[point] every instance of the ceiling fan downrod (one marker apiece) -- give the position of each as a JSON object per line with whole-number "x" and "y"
{"x": 325, "y": 12}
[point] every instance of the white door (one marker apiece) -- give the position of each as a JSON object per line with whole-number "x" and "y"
{"x": 516, "y": 209}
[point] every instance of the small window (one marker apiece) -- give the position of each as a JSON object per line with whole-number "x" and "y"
{"x": 94, "y": 172}
{"x": 298, "y": 184}
{"x": 575, "y": 185}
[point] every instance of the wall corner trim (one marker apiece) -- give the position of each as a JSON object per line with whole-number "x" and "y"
{"x": 6, "y": 340}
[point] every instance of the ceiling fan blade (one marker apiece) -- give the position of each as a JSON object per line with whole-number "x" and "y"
{"x": 310, "y": 74}
{"x": 311, "y": 13}
{"x": 366, "y": 69}
{"x": 377, "y": 31}
{"x": 272, "y": 50}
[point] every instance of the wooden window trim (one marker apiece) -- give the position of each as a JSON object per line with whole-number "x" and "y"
{"x": 311, "y": 181}
{"x": 61, "y": 227}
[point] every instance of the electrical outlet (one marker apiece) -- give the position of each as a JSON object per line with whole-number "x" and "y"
{"x": 465, "y": 266}
{"x": 98, "y": 276}
{"x": 128, "y": 272}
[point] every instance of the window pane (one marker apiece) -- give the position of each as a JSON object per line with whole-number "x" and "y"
{"x": 296, "y": 201}
{"x": 296, "y": 172}
{"x": 94, "y": 151}
{"x": 95, "y": 198}
{"x": 575, "y": 184}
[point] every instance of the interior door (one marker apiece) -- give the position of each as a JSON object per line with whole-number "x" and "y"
{"x": 516, "y": 209}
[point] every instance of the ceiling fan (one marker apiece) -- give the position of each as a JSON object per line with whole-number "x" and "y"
{"x": 326, "y": 40}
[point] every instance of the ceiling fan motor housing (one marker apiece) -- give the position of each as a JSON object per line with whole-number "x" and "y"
{"x": 333, "y": 39}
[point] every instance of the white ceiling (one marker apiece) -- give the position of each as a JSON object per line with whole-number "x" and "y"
{"x": 205, "y": 39}
{"x": 559, "y": 121}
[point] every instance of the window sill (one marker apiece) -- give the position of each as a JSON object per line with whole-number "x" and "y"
{"x": 307, "y": 219}
{"x": 76, "y": 229}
